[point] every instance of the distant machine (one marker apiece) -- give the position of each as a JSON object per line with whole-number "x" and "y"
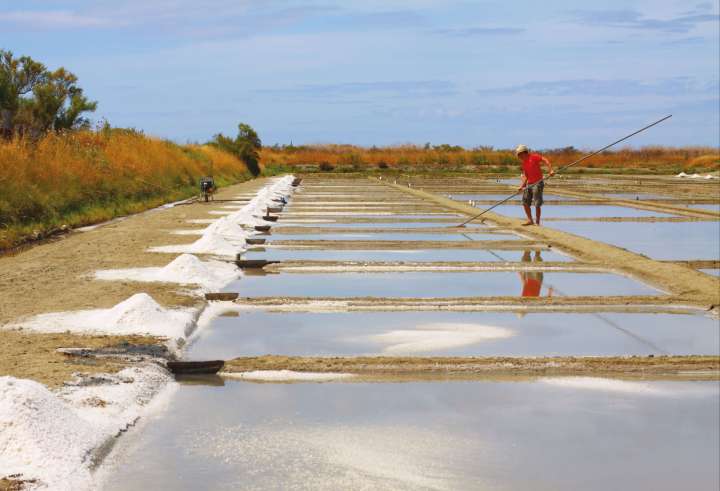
{"x": 207, "y": 188}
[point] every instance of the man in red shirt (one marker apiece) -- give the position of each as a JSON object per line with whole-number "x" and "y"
{"x": 532, "y": 183}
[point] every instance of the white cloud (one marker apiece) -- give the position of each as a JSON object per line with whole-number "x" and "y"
{"x": 61, "y": 19}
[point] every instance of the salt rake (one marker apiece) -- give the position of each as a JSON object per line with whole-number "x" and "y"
{"x": 561, "y": 169}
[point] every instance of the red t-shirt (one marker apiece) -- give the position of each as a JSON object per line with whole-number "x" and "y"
{"x": 531, "y": 168}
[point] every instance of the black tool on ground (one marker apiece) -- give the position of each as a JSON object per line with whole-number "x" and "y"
{"x": 565, "y": 167}
{"x": 207, "y": 188}
{"x": 195, "y": 367}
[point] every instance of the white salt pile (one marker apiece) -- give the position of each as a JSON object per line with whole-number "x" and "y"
{"x": 227, "y": 235}
{"x": 209, "y": 243}
{"x": 185, "y": 269}
{"x": 139, "y": 314}
{"x": 54, "y": 437}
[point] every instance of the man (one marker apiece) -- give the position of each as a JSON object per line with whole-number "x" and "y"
{"x": 532, "y": 183}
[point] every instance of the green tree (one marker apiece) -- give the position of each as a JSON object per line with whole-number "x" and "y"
{"x": 246, "y": 146}
{"x": 34, "y": 100}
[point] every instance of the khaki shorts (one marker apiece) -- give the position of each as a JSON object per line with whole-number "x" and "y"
{"x": 533, "y": 194}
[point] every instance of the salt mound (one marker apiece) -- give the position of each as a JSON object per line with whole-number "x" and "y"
{"x": 139, "y": 314}
{"x": 136, "y": 310}
{"x": 209, "y": 243}
{"x": 187, "y": 266}
{"x": 228, "y": 228}
{"x": 42, "y": 437}
{"x": 214, "y": 244}
{"x": 218, "y": 238}
{"x": 186, "y": 269}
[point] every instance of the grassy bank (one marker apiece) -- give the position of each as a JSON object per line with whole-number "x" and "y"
{"x": 445, "y": 158}
{"x": 85, "y": 177}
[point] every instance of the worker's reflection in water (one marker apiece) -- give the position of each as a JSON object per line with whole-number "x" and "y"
{"x": 532, "y": 280}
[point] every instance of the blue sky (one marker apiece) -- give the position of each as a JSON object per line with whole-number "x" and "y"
{"x": 547, "y": 74}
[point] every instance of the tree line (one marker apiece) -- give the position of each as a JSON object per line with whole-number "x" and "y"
{"x": 35, "y": 100}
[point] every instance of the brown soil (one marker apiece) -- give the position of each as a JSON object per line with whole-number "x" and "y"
{"x": 699, "y": 367}
{"x": 15, "y": 483}
{"x": 35, "y": 355}
{"x": 57, "y": 276}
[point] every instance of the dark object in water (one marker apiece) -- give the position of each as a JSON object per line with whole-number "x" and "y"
{"x": 269, "y": 218}
{"x": 209, "y": 379}
{"x": 274, "y": 209}
{"x": 296, "y": 182}
{"x": 187, "y": 367}
{"x": 222, "y": 296}
{"x": 262, "y": 228}
{"x": 253, "y": 263}
{"x": 255, "y": 241}
{"x": 280, "y": 200}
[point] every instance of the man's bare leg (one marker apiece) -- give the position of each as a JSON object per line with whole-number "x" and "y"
{"x": 528, "y": 213}
{"x": 537, "y": 214}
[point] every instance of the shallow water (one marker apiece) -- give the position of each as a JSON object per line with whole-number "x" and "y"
{"x": 335, "y": 214}
{"x": 714, "y": 272}
{"x": 420, "y": 255}
{"x": 348, "y": 224}
{"x": 500, "y": 197}
{"x": 542, "y": 434}
{"x": 709, "y": 207}
{"x": 578, "y": 211}
{"x": 455, "y": 334}
{"x": 636, "y": 196}
{"x": 364, "y": 236}
{"x": 668, "y": 240}
{"x": 439, "y": 284}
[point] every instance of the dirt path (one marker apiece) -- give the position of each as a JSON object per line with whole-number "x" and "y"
{"x": 687, "y": 367}
{"x": 57, "y": 276}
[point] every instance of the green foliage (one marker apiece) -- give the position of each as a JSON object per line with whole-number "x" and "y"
{"x": 246, "y": 146}
{"x": 448, "y": 148}
{"x": 34, "y": 100}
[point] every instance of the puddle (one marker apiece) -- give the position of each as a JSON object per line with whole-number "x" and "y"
{"x": 436, "y": 284}
{"x": 542, "y": 434}
{"x": 455, "y": 334}
{"x": 710, "y": 207}
{"x": 391, "y": 214}
{"x": 669, "y": 240}
{"x": 635, "y": 196}
{"x": 714, "y": 272}
{"x": 391, "y": 224}
{"x": 469, "y": 237}
{"x": 421, "y": 255}
{"x": 500, "y": 197}
{"x": 578, "y": 211}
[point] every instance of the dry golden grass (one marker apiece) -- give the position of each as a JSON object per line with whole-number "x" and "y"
{"x": 85, "y": 177}
{"x": 408, "y": 157}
